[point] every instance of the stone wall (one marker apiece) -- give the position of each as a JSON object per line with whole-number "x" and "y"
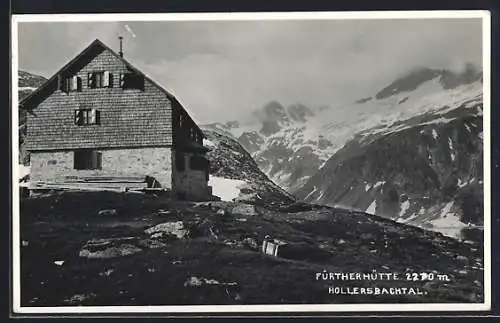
{"x": 190, "y": 183}
{"x": 54, "y": 166}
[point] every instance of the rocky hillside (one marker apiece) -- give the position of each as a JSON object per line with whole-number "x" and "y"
{"x": 27, "y": 83}
{"x": 291, "y": 143}
{"x": 118, "y": 249}
{"x": 425, "y": 170}
{"x": 232, "y": 168}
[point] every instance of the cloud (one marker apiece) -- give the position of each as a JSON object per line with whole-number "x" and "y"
{"x": 225, "y": 69}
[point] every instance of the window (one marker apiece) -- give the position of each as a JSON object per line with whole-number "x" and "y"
{"x": 131, "y": 81}
{"x": 180, "y": 162}
{"x": 199, "y": 137}
{"x": 87, "y": 117}
{"x": 198, "y": 163}
{"x": 100, "y": 79}
{"x": 70, "y": 84}
{"x": 87, "y": 159}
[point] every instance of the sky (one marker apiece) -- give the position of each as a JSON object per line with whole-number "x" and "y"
{"x": 223, "y": 70}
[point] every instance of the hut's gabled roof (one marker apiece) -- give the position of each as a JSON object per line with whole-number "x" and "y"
{"x": 89, "y": 53}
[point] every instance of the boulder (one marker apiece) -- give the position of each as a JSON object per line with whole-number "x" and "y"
{"x": 151, "y": 244}
{"x": 108, "y": 212}
{"x": 172, "y": 228}
{"x": 111, "y": 252}
{"x": 250, "y": 243}
{"x": 244, "y": 209}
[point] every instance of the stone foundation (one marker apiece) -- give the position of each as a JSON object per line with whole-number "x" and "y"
{"x": 54, "y": 166}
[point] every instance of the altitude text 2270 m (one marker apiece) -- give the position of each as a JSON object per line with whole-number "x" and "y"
{"x": 426, "y": 277}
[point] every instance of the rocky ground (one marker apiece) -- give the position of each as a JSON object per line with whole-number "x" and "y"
{"x": 134, "y": 249}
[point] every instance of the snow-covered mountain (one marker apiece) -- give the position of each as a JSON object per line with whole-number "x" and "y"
{"x": 291, "y": 143}
{"x": 422, "y": 165}
{"x": 279, "y": 141}
{"x": 28, "y": 82}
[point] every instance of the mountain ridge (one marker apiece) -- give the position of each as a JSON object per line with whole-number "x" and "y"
{"x": 290, "y": 147}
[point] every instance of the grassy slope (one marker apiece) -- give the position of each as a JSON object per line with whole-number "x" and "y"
{"x": 56, "y": 227}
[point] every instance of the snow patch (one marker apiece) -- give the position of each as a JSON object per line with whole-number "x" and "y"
{"x": 450, "y": 143}
{"x": 23, "y": 171}
{"x": 367, "y": 187}
{"x": 467, "y": 127}
{"x": 462, "y": 184}
{"x": 434, "y": 134}
{"x": 446, "y": 209}
{"x": 312, "y": 192}
{"x": 226, "y": 189}
{"x": 26, "y": 88}
{"x": 404, "y": 207}
{"x": 208, "y": 143}
{"x": 450, "y": 225}
{"x": 378, "y": 184}
{"x": 372, "y": 207}
{"x": 413, "y": 216}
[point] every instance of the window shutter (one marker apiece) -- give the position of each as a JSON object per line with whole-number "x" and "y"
{"x": 90, "y": 80}
{"x": 97, "y": 117}
{"x": 85, "y": 118}
{"x": 92, "y": 118}
{"x": 78, "y": 117}
{"x": 105, "y": 79}
{"x": 74, "y": 83}
{"x": 111, "y": 80}
{"x": 64, "y": 84}
{"x": 78, "y": 83}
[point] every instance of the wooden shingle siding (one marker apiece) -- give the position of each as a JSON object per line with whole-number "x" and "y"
{"x": 128, "y": 118}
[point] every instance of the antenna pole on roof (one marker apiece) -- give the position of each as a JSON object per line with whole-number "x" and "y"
{"x": 121, "y": 46}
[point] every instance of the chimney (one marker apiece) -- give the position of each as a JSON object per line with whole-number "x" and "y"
{"x": 121, "y": 46}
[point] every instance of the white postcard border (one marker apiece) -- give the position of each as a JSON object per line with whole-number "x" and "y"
{"x": 234, "y": 16}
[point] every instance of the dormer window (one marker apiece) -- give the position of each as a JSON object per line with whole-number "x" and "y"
{"x": 71, "y": 84}
{"x": 85, "y": 117}
{"x": 131, "y": 81}
{"x": 100, "y": 80}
